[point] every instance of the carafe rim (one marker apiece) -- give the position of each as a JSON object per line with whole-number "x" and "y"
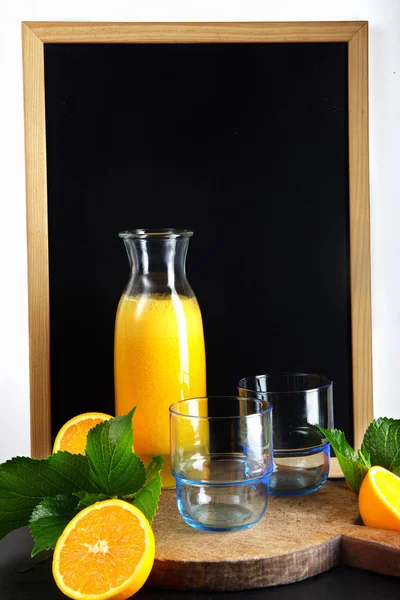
{"x": 157, "y": 234}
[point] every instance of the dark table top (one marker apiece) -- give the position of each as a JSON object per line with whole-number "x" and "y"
{"x": 23, "y": 578}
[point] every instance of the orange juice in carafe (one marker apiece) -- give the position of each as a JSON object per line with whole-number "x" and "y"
{"x": 159, "y": 355}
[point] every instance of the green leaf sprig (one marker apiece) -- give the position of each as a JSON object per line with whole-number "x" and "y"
{"x": 380, "y": 447}
{"x": 46, "y": 494}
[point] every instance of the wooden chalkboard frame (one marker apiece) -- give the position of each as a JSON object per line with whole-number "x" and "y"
{"x": 36, "y": 34}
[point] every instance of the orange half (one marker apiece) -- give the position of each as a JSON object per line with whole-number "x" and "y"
{"x": 106, "y": 551}
{"x": 379, "y": 499}
{"x": 72, "y": 435}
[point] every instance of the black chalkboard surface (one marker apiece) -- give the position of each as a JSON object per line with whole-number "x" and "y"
{"x": 246, "y": 144}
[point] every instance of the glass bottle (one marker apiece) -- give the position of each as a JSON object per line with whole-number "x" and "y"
{"x": 159, "y": 355}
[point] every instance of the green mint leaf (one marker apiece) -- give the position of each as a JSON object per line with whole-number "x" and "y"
{"x": 353, "y": 467}
{"x": 337, "y": 440}
{"x": 16, "y": 521}
{"x": 73, "y": 470}
{"x": 116, "y": 470}
{"x": 154, "y": 467}
{"x": 148, "y": 497}
{"x": 382, "y": 441}
{"x": 86, "y": 500}
{"x": 354, "y": 471}
{"x": 49, "y": 519}
{"x": 25, "y": 482}
{"x": 395, "y": 464}
{"x": 364, "y": 456}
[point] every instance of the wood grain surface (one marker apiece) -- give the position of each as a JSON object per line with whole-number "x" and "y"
{"x": 372, "y": 549}
{"x": 298, "y": 537}
{"x": 360, "y": 265}
{"x": 194, "y": 33}
{"x": 37, "y": 238}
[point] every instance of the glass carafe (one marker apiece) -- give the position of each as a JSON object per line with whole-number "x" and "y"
{"x": 159, "y": 355}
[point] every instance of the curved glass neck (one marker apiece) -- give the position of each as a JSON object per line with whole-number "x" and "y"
{"x": 158, "y": 265}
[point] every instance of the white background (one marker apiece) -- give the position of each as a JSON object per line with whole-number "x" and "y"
{"x": 384, "y": 64}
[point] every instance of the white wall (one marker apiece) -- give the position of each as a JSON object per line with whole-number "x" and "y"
{"x": 384, "y": 20}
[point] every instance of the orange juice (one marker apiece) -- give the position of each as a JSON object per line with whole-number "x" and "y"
{"x": 159, "y": 359}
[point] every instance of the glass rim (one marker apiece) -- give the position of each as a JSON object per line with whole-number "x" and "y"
{"x": 212, "y": 418}
{"x": 328, "y": 383}
{"x": 157, "y": 233}
{"x": 302, "y": 449}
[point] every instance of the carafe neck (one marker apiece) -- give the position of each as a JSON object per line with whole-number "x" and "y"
{"x": 158, "y": 261}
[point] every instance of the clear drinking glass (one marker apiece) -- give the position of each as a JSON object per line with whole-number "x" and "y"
{"x": 301, "y": 453}
{"x": 221, "y": 458}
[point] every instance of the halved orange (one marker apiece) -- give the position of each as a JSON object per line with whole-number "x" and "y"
{"x": 72, "y": 435}
{"x": 379, "y": 499}
{"x": 106, "y": 551}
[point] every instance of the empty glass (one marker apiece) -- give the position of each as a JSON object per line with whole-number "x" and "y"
{"x": 301, "y": 453}
{"x": 221, "y": 457}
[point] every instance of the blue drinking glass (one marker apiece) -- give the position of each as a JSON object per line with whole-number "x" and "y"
{"x": 221, "y": 458}
{"x": 301, "y": 452}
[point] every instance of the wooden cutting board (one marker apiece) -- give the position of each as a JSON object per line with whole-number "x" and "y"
{"x": 298, "y": 537}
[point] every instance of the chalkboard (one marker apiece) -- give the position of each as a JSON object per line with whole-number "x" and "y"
{"x": 246, "y": 144}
